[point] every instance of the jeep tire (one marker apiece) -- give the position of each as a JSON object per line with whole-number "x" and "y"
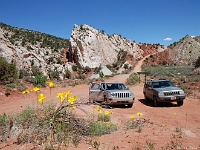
{"x": 155, "y": 101}
{"x": 179, "y": 103}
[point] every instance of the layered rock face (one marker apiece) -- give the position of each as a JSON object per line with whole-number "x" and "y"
{"x": 29, "y": 55}
{"x": 187, "y": 50}
{"x": 93, "y": 48}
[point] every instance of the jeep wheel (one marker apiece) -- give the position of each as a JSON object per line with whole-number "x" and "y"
{"x": 105, "y": 99}
{"x": 180, "y": 103}
{"x": 155, "y": 101}
{"x": 146, "y": 98}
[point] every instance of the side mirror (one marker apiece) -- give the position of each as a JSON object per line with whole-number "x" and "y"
{"x": 101, "y": 88}
{"x": 127, "y": 88}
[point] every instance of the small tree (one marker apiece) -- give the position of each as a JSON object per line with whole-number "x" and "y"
{"x": 87, "y": 69}
{"x": 68, "y": 74}
{"x": 8, "y": 72}
{"x": 197, "y": 62}
{"x": 125, "y": 66}
{"x": 74, "y": 67}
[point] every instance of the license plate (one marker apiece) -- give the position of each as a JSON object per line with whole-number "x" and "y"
{"x": 173, "y": 98}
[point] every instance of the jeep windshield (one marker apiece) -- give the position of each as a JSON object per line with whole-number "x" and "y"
{"x": 115, "y": 86}
{"x": 162, "y": 84}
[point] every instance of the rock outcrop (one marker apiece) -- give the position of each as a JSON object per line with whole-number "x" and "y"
{"x": 28, "y": 54}
{"x": 187, "y": 50}
{"x": 93, "y": 48}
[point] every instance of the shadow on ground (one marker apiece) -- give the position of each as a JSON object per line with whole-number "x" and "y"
{"x": 163, "y": 104}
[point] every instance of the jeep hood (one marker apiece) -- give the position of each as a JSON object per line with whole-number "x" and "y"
{"x": 174, "y": 88}
{"x": 119, "y": 91}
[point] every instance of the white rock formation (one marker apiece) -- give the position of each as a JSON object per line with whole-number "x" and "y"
{"x": 104, "y": 70}
{"x": 94, "y": 48}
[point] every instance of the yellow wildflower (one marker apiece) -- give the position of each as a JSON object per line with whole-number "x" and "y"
{"x": 132, "y": 116}
{"x": 99, "y": 107}
{"x": 67, "y": 94}
{"x": 72, "y": 99}
{"x": 99, "y": 111}
{"x": 62, "y": 99}
{"x": 106, "y": 112}
{"x": 174, "y": 113}
{"x": 25, "y": 91}
{"x": 41, "y": 98}
{"x": 60, "y": 96}
{"x": 139, "y": 114}
{"x": 73, "y": 107}
{"x": 36, "y": 89}
{"x": 50, "y": 84}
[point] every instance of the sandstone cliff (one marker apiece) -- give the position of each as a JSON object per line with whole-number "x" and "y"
{"x": 93, "y": 48}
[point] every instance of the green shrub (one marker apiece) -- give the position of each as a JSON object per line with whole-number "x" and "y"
{"x": 133, "y": 79}
{"x": 97, "y": 69}
{"x": 21, "y": 87}
{"x": 74, "y": 67}
{"x": 11, "y": 85}
{"x": 110, "y": 68}
{"x": 23, "y": 73}
{"x": 67, "y": 74}
{"x": 101, "y": 75}
{"x": 54, "y": 74}
{"x": 87, "y": 69}
{"x": 25, "y": 116}
{"x": 8, "y": 71}
{"x": 3, "y": 120}
{"x": 125, "y": 66}
{"x": 35, "y": 71}
{"x": 115, "y": 65}
{"x": 8, "y": 89}
{"x": 167, "y": 70}
{"x": 100, "y": 128}
{"x": 39, "y": 80}
{"x": 197, "y": 62}
{"x": 103, "y": 117}
{"x": 81, "y": 76}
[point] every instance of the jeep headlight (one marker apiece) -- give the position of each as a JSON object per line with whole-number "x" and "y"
{"x": 131, "y": 94}
{"x": 181, "y": 92}
{"x": 112, "y": 94}
{"x": 160, "y": 94}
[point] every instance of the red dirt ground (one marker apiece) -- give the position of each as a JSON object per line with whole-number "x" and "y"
{"x": 160, "y": 128}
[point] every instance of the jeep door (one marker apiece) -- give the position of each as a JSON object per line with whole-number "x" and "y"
{"x": 95, "y": 92}
{"x": 149, "y": 90}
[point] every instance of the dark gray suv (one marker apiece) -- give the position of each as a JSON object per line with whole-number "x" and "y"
{"x": 163, "y": 91}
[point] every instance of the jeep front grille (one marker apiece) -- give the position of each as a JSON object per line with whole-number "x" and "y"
{"x": 122, "y": 95}
{"x": 171, "y": 93}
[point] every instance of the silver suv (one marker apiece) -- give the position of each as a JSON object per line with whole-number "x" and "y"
{"x": 111, "y": 93}
{"x": 163, "y": 91}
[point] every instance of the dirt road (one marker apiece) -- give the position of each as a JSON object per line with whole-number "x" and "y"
{"x": 164, "y": 127}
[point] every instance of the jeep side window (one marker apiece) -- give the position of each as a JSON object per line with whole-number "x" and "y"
{"x": 95, "y": 86}
{"x": 148, "y": 84}
{"x": 156, "y": 85}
